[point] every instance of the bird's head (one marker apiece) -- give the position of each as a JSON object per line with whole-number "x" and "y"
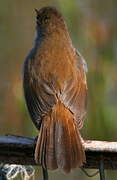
{"x": 49, "y": 19}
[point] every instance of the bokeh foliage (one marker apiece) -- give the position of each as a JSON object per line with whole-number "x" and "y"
{"x": 93, "y": 29}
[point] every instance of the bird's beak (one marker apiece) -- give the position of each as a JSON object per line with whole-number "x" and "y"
{"x": 36, "y": 10}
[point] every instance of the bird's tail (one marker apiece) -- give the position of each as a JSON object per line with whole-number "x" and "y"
{"x": 59, "y": 143}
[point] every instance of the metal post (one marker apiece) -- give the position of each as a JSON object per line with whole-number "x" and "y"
{"x": 101, "y": 170}
{"x": 2, "y": 173}
{"x": 45, "y": 173}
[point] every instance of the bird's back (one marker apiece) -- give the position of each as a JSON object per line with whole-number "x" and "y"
{"x": 55, "y": 90}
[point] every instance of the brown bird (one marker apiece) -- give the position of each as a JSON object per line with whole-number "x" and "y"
{"x": 55, "y": 90}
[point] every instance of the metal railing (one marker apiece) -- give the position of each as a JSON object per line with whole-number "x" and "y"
{"x": 100, "y": 155}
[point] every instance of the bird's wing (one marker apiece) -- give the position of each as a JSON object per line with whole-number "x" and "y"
{"x": 74, "y": 95}
{"x": 81, "y": 61}
{"x": 40, "y": 97}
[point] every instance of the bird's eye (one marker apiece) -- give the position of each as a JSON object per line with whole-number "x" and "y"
{"x": 45, "y": 20}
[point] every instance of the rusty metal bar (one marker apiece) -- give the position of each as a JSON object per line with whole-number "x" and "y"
{"x": 100, "y": 146}
{"x": 20, "y": 150}
{"x": 96, "y": 151}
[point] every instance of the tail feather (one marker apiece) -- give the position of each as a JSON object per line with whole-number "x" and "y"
{"x": 59, "y": 144}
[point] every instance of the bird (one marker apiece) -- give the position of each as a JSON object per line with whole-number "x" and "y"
{"x": 55, "y": 91}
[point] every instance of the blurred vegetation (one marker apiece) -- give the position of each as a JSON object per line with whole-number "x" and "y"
{"x": 93, "y": 29}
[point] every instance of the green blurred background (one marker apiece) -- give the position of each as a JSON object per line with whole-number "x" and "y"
{"x": 93, "y": 28}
